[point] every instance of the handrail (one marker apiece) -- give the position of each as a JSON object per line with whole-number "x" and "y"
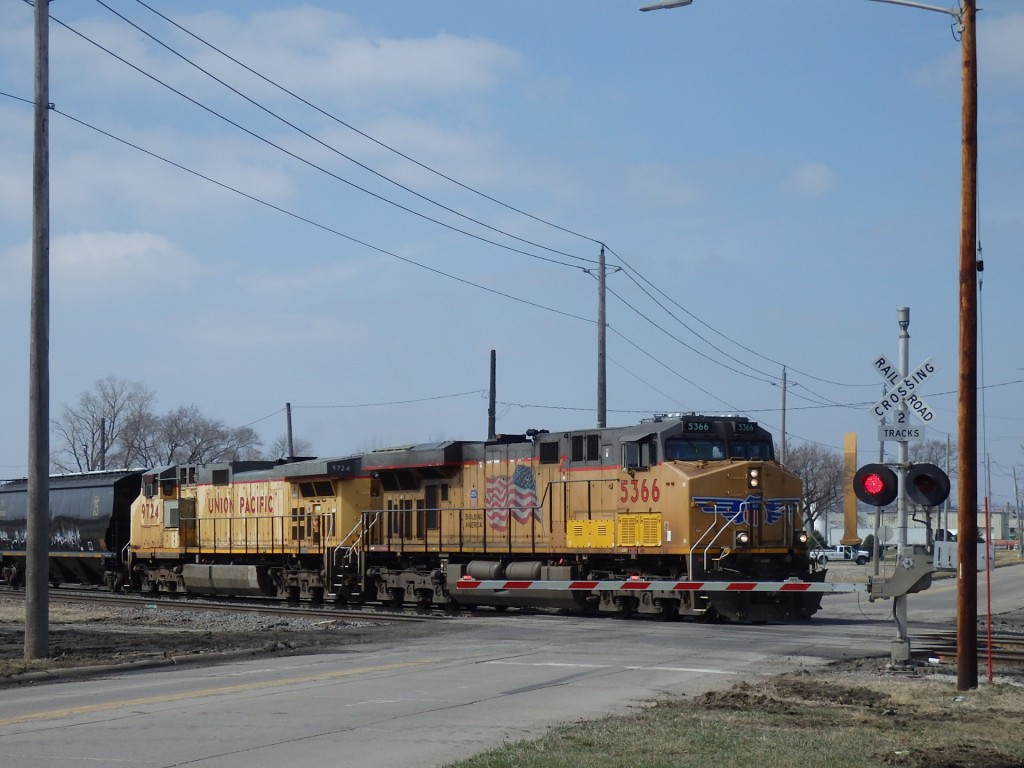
{"x": 696, "y": 545}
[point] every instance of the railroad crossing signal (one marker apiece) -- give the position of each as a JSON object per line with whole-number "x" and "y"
{"x": 876, "y": 484}
{"x": 927, "y": 485}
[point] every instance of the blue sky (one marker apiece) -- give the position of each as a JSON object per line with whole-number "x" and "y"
{"x": 781, "y": 175}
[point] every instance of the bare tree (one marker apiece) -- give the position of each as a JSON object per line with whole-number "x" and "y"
{"x": 822, "y": 471}
{"x": 186, "y": 436}
{"x": 114, "y": 425}
{"x": 279, "y": 448}
{"x": 99, "y": 430}
{"x": 937, "y": 452}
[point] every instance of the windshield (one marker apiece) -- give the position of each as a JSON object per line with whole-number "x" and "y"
{"x": 694, "y": 449}
{"x": 750, "y": 449}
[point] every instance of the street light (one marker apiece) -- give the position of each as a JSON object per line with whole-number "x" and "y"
{"x": 967, "y": 410}
{"x": 665, "y": 4}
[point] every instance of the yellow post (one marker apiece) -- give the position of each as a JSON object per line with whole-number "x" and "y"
{"x": 849, "y": 498}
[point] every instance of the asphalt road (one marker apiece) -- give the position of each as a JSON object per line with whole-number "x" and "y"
{"x": 423, "y": 702}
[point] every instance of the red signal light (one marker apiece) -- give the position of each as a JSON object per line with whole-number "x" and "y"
{"x": 875, "y": 484}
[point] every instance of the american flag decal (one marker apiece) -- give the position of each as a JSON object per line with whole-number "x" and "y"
{"x": 516, "y": 495}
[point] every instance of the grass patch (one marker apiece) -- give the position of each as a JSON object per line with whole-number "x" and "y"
{"x": 791, "y": 722}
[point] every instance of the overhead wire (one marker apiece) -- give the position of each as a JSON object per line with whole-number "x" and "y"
{"x": 288, "y": 152}
{"x": 765, "y": 377}
{"x": 320, "y": 225}
{"x": 330, "y": 147}
{"x": 301, "y": 159}
{"x": 185, "y": 30}
{"x": 367, "y": 136}
{"x": 632, "y": 269}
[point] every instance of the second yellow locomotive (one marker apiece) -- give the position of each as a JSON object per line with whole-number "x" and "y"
{"x": 652, "y": 518}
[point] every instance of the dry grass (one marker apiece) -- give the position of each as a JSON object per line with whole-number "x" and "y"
{"x": 857, "y": 719}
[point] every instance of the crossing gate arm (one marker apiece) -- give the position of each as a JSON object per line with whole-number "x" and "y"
{"x": 640, "y": 585}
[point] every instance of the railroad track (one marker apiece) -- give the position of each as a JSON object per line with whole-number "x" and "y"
{"x": 326, "y": 612}
{"x": 1003, "y": 647}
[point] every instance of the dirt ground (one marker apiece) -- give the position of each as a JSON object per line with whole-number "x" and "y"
{"x": 81, "y": 636}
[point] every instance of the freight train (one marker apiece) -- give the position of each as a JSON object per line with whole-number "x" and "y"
{"x": 683, "y": 515}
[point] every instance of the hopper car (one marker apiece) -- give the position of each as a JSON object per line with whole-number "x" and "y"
{"x": 89, "y": 527}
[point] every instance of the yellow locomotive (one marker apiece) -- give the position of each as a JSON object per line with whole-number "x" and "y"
{"x": 681, "y": 515}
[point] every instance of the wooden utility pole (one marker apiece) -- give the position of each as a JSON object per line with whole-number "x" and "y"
{"x": 967, "y": 417}
{"x": 37, "y": 566}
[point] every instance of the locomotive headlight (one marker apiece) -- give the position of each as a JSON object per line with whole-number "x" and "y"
{"x": 802, "y": 537}
{"x": 754, "y": 478}
{"x": 742, "y": 538}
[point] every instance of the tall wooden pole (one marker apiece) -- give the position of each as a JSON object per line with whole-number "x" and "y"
{"x": 37, "y": 566}
{"x": 967, "y": 493}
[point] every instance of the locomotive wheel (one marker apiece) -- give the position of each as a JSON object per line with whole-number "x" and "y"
{"x": 316, "y": 595}
{"x": 424, "y": 599}
{"x": 626, "y": 607}
{"x": 669, "y": 609}
{"x": 710, "y": 616}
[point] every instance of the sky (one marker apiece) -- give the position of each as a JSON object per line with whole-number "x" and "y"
{"x": 347, "y": 206}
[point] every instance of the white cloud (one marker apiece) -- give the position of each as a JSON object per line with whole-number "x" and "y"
{"x": 104, "y": 264}
{"x": 351, "y": 62}
{"x": 1001, "y": 49}
{"x": 811, "y": 179}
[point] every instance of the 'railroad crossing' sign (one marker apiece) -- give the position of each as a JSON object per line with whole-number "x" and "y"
{"x": 901, "y": 391}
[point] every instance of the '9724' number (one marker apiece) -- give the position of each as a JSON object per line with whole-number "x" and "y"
{"x": 638, "y": 490}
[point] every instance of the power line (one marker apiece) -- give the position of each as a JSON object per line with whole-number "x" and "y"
{"x": 724, "y": 336}
{"x": 395, "y": 402}
{"x": 319, "y": 225}
{"x": 769, "y": 377}
{"x": 303, "y": 160}
{"x": 366, "y": 135}
{"x": 329, "y": 147}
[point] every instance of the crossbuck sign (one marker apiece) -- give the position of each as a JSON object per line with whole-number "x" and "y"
{"x": 903, "y": 390}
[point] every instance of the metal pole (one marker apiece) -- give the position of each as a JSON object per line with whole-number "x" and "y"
{"x": 103, "y": 442}
{"x": 602, "y": 403}
{"x": 782, "y": 445}
{"x": 877, "y": 554}
{"x": 37, "y": 566}
{"x": 288, "y": 419}
{"x": 492, "y": 411}
{"x": 901, "y": 645}
{"x": 967, "y": 416}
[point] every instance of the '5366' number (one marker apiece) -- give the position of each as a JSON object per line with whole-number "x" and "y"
{"x": 638, "y": 490}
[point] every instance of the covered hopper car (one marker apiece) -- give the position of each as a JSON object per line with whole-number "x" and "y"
{"x": 652, "y": 518}
{"x": 89, "y": 526}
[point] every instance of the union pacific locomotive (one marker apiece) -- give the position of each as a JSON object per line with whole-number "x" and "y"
{"x": 654, "y": 518}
